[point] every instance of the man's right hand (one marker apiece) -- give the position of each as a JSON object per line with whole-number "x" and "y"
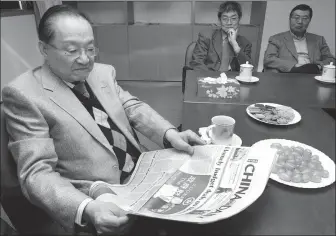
{"x": 106, "y": 217}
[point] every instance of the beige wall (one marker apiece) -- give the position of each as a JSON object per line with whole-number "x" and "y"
{"x": 104, "y": 12}
{"x": 276, "y": 21}
{"x": 162, "y": 12}
{"x": 206, "y": 12}
{"x": 19, "y": 38}
{"x": 19, "y": 50}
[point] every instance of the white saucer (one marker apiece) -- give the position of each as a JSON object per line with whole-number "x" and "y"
{"x": 236, "y": 140}
{"x": 319, "y": 78}
{"x": 243, "y": 80}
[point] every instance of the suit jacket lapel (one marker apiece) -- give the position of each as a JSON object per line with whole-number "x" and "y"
{"x": 310, "y": 46}
{"x": 109, "y": 100}
{"x": 62, "y": 95}
{"x": 240, "y": 42}
{"x": 289, "y": 42}
{"x": 217, "y": 42}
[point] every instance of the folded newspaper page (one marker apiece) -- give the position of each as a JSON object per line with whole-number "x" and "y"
{"x": 215, "y": 183}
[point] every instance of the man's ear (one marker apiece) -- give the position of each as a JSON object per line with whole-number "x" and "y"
{"x": 43, "y": 48}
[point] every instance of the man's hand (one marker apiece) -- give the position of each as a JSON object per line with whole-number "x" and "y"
{"x": 183, "y": 140}
{"x": 232, "y": 38}
{"x": 232, "y": 34}
{"x": 106, "y": 217}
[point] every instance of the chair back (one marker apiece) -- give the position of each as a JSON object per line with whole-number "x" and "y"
{"x": 9, "y": 179}
{"x": 189, "y": 52}
{"x": 23, "y": 215}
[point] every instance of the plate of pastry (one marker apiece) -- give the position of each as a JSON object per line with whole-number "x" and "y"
{"x": 274, "y": 114}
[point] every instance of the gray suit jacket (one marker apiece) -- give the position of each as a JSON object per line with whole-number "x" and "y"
{"x": 59, "y": 149}
{"x": 281, "y": 55}
{"x": 207, "y": 54}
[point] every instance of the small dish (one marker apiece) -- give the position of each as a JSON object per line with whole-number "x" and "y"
{"x": 243, "y": 80}
{"x": 205, "y": 133}
{"x": 319, "y": 78}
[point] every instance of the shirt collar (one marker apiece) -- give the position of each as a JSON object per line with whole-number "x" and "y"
{"x": 71, "y": 85}
{"x": 224, "y": 35}
{"x": 297, "y": 38}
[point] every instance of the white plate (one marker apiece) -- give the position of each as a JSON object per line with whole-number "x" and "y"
{"x": 327, "y": 164}
{"x": 206, "y": 136}
{"x": 297, "y": 116}
{"x": 243, "y": 80}
{"x": 319, "y": 78}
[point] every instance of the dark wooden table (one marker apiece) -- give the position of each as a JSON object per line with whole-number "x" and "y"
{"x": 281, "y": 210}
{"x": 295, "y": 90}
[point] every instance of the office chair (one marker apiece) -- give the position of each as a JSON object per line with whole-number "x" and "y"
{"x": 24, "y": 216}
{"x": 187, "y": 61}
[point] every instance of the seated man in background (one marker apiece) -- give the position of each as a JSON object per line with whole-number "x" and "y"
{"x": 296, "y": 50}
{"x": 222, "y": 49}
{"x": 70, "y": 124}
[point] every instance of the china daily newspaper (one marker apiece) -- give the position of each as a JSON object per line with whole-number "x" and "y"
{"x": 215, "y": 183}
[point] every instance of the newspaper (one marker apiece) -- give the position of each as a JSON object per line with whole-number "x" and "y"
{"x": 215, "y": 183}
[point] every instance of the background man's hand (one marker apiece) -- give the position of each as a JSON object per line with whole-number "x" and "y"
{"x": 232, "y": 35}
{"x": 183, "y": 140}
{"x": 107, "y": 217}
{"x": 232, "y": 38}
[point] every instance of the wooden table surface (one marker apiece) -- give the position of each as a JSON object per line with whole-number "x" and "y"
{"x": 281, "y": 210}
{"x": 296, "y": 90}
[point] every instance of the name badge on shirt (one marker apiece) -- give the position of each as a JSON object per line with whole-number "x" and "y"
{"x": 101, "y": 118}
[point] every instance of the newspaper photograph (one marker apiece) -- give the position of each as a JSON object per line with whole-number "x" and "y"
{"x": 215, "y": 183}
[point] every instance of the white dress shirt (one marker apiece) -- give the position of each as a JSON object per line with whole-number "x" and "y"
{"x": 301, "y": 49}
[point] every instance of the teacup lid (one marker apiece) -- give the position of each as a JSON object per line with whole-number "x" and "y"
{"x": 330, "y": 66}
{"x": 246, "y": 64}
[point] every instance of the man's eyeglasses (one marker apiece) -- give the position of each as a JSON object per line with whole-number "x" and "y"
{"x": 227, "y": 19}
{"x": 76, "y": 53}
{"x": 298, "y": 18}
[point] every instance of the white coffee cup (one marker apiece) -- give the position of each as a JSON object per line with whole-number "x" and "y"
{"x": 328, "y": 72}
{"x": 246, "y": 71}
{"x": 221, "y": 130}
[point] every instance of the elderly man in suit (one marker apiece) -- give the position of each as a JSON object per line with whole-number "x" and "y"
{"x": 296, "y": 50}
{"x": 70, "y": 124}
{"x": 222, "y": 49}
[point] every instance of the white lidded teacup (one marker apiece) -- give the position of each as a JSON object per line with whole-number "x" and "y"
{"x": 328, "y": 72}
{"x": 246, "y": 71}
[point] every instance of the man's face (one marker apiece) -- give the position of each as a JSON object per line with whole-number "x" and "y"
{"x": 69, "y": 54}
{"x": 229, "y": 20}
{"x": 299, "y": 21}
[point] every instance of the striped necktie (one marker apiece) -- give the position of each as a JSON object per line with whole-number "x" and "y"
{"x": 226, "y": 55}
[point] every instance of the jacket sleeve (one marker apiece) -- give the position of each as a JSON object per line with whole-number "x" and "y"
{"x": 326, "y": 56}
{"x": 245, "y": 54}
{"x": 200, "y": 52}
{"x": 271, "y": 57}
{"x": 34, "y": 152}
{"x": 141, "y": 116}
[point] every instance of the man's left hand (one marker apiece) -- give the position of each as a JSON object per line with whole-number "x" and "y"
{"x": 183, "y": 140}
{"x": 232, "y": 35}
{"x": 232, "y": 38}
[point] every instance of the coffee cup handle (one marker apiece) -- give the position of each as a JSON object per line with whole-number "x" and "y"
{"x": 208, "y": 129}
